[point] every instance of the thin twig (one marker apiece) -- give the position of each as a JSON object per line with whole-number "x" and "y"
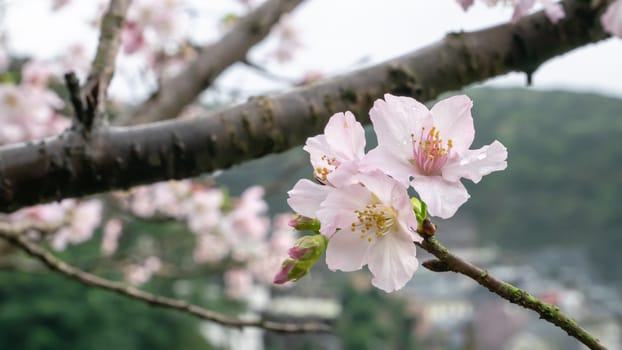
{"x": 102, "y": 68}
{"x": 19, "y": 240}
{"x": 513, "y": 294}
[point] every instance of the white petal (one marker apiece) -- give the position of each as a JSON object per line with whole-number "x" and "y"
{"x": 345, "y": 136}
{"x": 442, "y": 197}
{"x": 452, "y": 117}
{"x": 317, "y": 147}
{"x": 305, "y": 198}
{"x": 392, "y": 260}
{"x": 381, "y": 158}
{"x": 346, "y": 251}
{"x": 476, "y": 163}
{"x": 395, "y": 120}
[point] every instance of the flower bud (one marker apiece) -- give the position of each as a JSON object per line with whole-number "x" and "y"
{"x": 302, "y": 256}
{"x": 303, "y": 223}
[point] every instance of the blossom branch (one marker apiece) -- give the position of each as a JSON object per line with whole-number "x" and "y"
{"x": 117, "y": 158}
{"x": 15, "y": 236}
{"x": 177, "y": 92}
{"x": 449, "y": 262}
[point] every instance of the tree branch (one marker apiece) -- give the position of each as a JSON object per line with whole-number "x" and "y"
{"x": 89, "y": 104}
{"x": 548, "y": 312}
{"x": 177, "y": 92}
{"x": 115, "y": 158}
{"x": 15, "y": 236}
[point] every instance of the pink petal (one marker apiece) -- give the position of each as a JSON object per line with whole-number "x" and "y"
{"x": 476, "y": 163}
{"x": 392, "y": 261}
{"x": 305, "y": 198}
{"x": 345, "y": 136}
{"x": 346, "y": 251}
{"x": 395, "y": 120}
{"x": 452, "y": 117}
{"x": 521, "y": 7}
{"x": 442, "y": 197}
{"x": 554, "y": 10}
{"x": 612, "y": 19}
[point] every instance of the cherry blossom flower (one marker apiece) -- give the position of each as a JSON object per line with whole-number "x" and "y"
{"x": 343, "y": 141}
{"x": 554, "y": 10}
{"x": 612, "y": 19}
{"x": 139, "y": 274}
{"x": 248, "y": 218}
{"x": 210, "y": 249}
{"x": 110, "y": 240}
{"x": 341, "y": 147}
{"x": 375, "y": 227}
{"x": 84, "y": 218}
{"x": 432, "y": 148}
{"x": 238, "y": 283}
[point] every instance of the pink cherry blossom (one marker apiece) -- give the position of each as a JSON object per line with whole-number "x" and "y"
{"x": 432, "y": 148}
{"x": 343, "y": 142}
{"x": 612, "y": 19}
{"x": 139, "y": 274}
{"x": 84, "y": 217}
{"x": 554, "y": 10}
{"x": 375, "y": 227}
{"x": 238, "y": 283}
{"x": 210, "y": 249}
{"x": 110, "y": 239}
{"x": 248, "y": 217}
{"x": 335, "y": 157}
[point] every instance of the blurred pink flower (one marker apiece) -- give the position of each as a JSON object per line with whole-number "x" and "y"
{"x": 432, "y": 148}
{"x": 238, "y": 283}
{"x": 210, "y": 248}
{"x": 203, "y": 209}
{"x": 612, "y": 19}
{"x": 139, "y": 274}
{"x": 84, "y": 218}
{"x": 110, "y": 239}
{"x": 248, "y": 218}
{"x": 554, "y": 10}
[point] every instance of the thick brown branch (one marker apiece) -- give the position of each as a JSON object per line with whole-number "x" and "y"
{"x": 18, "y": 239}
{"x": 515, "y": 295}
{"x": 175, "y": 93}
{"x": 116, "y": 158}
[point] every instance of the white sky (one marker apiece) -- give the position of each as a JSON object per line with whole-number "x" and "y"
{"x": 336, "y": 34}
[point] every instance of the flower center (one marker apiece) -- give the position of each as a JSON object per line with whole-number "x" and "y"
{"x": 374, "y": 220}
{"x": 321, "y": 172}
{"x": 430, "y": 152}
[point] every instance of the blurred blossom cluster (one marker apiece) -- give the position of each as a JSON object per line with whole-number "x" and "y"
{"x": 72, "y": 221}
{"x": 230, "y": 231}
{"x": 29, "y": 109}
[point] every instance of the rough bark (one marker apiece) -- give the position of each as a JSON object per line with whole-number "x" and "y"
{"x": 117, "y": 158}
